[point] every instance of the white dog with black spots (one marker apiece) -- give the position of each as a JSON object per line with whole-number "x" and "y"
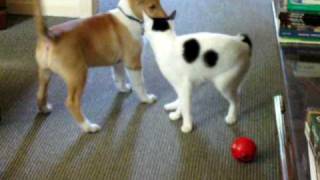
{"x": 191, "y": 59}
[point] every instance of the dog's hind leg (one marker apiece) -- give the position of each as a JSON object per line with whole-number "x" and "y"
{"x": 119, "y": 78}
{"x": 138, "y": 86}
{"x": 132, "y": 62}
{"x": 229, "y": 90}
{"x": 228, "y": 84}
{"x": 173, "y": 106}
{"x": 76, "y": 84}
{"x": 184, "y": 92}
{"x": 42, "y": 94}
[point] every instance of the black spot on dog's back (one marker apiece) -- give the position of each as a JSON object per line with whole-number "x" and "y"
{"x": 191, "y": 50}
{"x": 160, "y": 24}
{"x": 210, "y": 58}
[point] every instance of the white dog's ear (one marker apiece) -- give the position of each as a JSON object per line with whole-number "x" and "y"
{"x": 173, "y": 15}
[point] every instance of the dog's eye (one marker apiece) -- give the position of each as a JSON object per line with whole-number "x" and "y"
{"x": 152, "y": 7}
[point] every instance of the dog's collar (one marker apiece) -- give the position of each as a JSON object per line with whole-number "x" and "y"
{"x": 130, "y": 17}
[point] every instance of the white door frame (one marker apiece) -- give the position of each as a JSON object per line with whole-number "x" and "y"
{"x": 88, "y": 8}
{"x": 64, "y": 8}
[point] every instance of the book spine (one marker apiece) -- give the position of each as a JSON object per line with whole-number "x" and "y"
{"x": 299, "y": 34}
{"x": 283, "y": 5}
{"x": 307, "y": 22}
{"x": 311, "y": 2}
{"x": 313, "y": 126}
{"x": 300, "y": 7}
{"x": 305, "y": 17}
{"x": 300, "y": 24}
{"x": 287, "y": 25}
{"x": 299, "y": 15}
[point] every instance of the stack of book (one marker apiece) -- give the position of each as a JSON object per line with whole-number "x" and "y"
{"x": 3, "y": 14}
{"x": 300, "y": 20}
{"x": 312, "y": 132}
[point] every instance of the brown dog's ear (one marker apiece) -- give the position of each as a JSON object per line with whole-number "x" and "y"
{"x": 173, "y": 15}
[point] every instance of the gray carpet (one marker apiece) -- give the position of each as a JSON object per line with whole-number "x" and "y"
{"x": 138, "y": 141}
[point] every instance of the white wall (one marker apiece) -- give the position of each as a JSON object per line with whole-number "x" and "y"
{"x": 66, "y": 8}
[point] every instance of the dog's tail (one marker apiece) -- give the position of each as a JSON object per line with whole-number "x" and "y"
{"x": 41, "y": 27}
{"x": 245, "y": 39}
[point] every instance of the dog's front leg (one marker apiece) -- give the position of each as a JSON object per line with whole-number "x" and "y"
{"x": 119, "y": 78}
{"x": 184, "y": 95}
{"x": 137, "y": 81}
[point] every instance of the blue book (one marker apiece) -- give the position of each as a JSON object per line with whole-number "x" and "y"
{"x": 299, "y": 34}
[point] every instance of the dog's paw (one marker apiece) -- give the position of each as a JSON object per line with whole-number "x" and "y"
{"x": 173, "y": 116}
{"x": 90, "y": 127}
{"x": 186, "y": 128}
{"x": 149, "y": 99}
{"x": 171, "y": 106}
{"x": 46, "y": 109}
{"x": 126, "y": 88}
{"x": 230, "y": 120}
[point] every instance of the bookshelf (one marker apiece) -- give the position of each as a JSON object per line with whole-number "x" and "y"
{"x": 302, "y": 91}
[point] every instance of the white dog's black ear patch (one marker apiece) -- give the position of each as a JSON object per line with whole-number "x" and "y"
{"x": 210, "y": 58}
{"x": 160, "y": 24}
{"x": 191, "y": 50}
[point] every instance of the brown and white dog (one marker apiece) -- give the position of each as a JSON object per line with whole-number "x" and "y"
{"x": 110, "y": 39}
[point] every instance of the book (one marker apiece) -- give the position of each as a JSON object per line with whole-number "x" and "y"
{"x": 313, "y": 36}
{"x": 299, "y": 27}
{"x": 298, "y": 5}
{"x": 312, "y": 130}
{"x": 291, "y": 40}
{"x": 312, "y": 133}
{"x": 314, "y": 166}
{"x": 299, "y": 15}
{"x": 300, "y": 18}
{"x": 284, "y": 5}
{"x": 311, "y": 1}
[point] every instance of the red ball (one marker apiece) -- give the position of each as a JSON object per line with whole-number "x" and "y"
{"x": 243, "y": 149}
